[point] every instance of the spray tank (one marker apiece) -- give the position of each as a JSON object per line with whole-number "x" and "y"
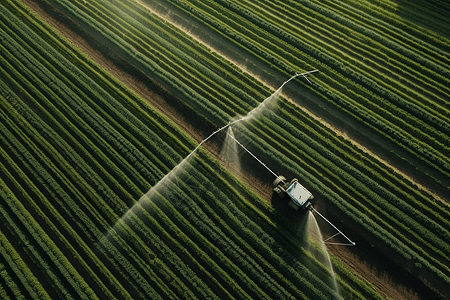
{"x": 299, "y": 196}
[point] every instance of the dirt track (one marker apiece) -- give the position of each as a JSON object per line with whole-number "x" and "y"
{"x": 382, "y": 282}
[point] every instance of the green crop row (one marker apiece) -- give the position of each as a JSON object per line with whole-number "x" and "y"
{"x": 170, "y": 43}
{"x": 106, "y": 81}
{"x": 155, "y": 225}
{"x": 135, "y": 218}
{"x": 381, "y": 200}
{"x": 401, "y": 139}
{"x": 240, "y": 254}
{"x": 103, "y": 212}
{"x": 339, "y": 32}
{"x": 145, "y": 254}
{"x": 192, "y": 253}
{"x": 388, "y": 12}
{"x": 227, "y": 206}
{"x": 127, "y": 268}
{"x": 179, "y": 195}
{"x": 80, "y": 214}
{"x": 171, "y": 205}
{"x": 409, "y": 55}
{"x": 391, "y": 31}
{"x": 32, "y": 254}
{"x": 343, "y": 46}
{"x": 19, "y": 269}
{"x": 366, "y": 289}
{"x": 96, "y": 123}
{"x": 224, "y": 211}
{"x": 69, "y": 232}
{"x": 275, "y": 43}
{"x": 9, "y": 286}
{"x": 151, "y": 63}
{"x": 115, "y": 134}
{"x": 35, "y": 92}
{"x": 264, "y": 244}
{"x": 371, "y": 119}
{"x": 126, "y": 168}
{"x": 176, "y": 63}
{"x": 286, "y": 122}
{"x": 43, "y": 241}
{"x": 202, "y": 287}
{"x": 389, "y": 180}
{"x": 246, "y": 276}
{"x": 41, "y": 171}
{"x": 387, "y": 238}
{"x": 201, "y": 104}
{"x": 421, "y": 106}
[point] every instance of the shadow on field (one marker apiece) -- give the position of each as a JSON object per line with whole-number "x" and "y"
{"x": 432, "y": 15}
{"x": 365, "y": 259}
{"x": 369, "y": 138}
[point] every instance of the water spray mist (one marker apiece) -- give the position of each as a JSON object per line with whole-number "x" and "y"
{"x": 181, "y": 165}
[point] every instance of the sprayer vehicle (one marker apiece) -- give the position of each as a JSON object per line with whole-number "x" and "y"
{"x": 299, "y": 196}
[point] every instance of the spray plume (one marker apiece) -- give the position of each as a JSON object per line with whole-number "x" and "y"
{"x": 173, "y": 172}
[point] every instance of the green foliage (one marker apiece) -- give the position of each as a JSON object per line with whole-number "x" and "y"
{"x": 80, "y": 149}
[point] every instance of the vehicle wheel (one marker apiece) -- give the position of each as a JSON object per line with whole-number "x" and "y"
{"x": 278, "y": 180}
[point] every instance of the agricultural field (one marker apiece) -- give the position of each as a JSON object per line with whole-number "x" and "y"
{"x": 102, "y": 103}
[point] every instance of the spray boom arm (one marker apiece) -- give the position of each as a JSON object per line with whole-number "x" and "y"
{"x": 351, "y": 243}
{"x": 244, "y": 118}
{"x": 253, "y": 155}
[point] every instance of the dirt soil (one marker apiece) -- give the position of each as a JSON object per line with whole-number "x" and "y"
{"x": 381, "y": 281}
